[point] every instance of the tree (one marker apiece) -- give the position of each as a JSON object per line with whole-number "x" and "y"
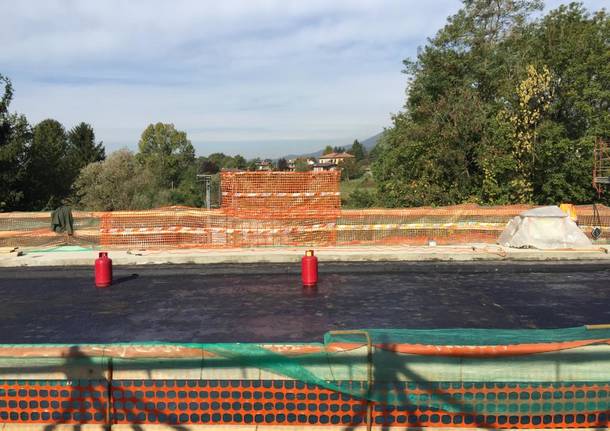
{"x": 361, "y": 198}
{"x": 534, "y": 96}
{"x": 50, "y": 175}
{"x": 301, "y": 165}
{"x": 282, "y": 164}
{"x": 350, "y": 169}
{"x": 228, "y": 162}
{"x": 358, "y": 151}
{"x": 166, "y": 153}
{"x": 113, "y": 184}
{"x": 15, "y": 138}
{"x": 207, "y": 166}
{"x": 574, "y": 45}
{"x": 500, "y": 108}
{"x": 251, "y": 166}
{"x": 5, "y": 101}
{"x": 240, "y": 162}
{"x": 82, "y": 146}
{"x": 327, "y": 150}
{"x": 339, "y": 149}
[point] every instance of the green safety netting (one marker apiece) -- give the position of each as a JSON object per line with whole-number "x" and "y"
{"x": 525, "y": 383}
{"x": 473, "y": 337}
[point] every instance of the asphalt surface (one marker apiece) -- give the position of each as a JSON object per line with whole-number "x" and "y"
{"x": 265, "y": 302}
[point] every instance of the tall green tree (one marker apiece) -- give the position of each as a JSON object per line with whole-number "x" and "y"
{"x": 327, "y": 150}
{"x": 282, "y": 164}
{"x": 82, "y": 146}
{"x": 50, "y": 174}
{"x": 15, "y": 138}
{"x": 501, "y": 108}
{"x": 575, "y": 45}
{"x": 166, "y": 153}
{"x": 358, "y": 151}
{"x": 240, "y": 161}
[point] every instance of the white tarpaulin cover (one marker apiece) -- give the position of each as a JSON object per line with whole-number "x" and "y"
{"x": 543, "y": 228}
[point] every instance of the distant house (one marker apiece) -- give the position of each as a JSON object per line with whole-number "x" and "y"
{"x": 335, "y": 158}
{"x": 265, "y": 165}
{"x": 319, "y": 167}
{"x": 292, "y": 163}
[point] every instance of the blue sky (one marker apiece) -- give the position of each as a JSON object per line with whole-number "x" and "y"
{"x": 256, "y": 77}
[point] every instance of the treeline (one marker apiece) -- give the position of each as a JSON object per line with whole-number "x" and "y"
{"x": 39, "y": 164}
{"x": 501, "y": 108}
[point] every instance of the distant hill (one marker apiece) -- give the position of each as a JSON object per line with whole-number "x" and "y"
{"x": 368, "y": 143}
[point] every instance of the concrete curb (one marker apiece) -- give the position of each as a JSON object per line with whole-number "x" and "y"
{"x": 465, "y": 253}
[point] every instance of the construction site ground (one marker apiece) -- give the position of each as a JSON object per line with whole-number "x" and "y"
{"x": 266, "y": 302}
{"x": 77, "y": 256}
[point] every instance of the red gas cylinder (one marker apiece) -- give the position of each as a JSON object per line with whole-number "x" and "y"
{"x": 103, "y": 270}
{"x": 309, "y": 269}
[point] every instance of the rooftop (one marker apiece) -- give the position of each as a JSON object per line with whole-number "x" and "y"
{"x": 336, "y": 156}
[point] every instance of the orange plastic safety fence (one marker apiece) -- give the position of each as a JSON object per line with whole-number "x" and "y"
{"x": 164, "y": 228}
{"x": 492, "y": 405}
{"x": 281, "y": 195}
{"x": 445, "y": 225}
{"x": 183, "y": 227}
{"x": 33, "y": 229}
{"x": 271, "y": 209}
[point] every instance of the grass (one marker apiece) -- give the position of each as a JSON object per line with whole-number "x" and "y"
{"x": 366, "y": 182}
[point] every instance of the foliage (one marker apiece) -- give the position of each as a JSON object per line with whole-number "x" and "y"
{"x": 282, "y": 164}
{"x": 358, "y": 151}
{"x": 50, "y": 174}
{"x": 83, "y": 148}
{"x": 207, "y": 166}
{"x": 112, "y": 184}
{"x": 215, "y": 162}
{"x": 501, "y": 108}
{"x": 350, "y": 169}
{"x": 534, "y": 96}
{"x": 39, "y": 165}
{"x": 361, "y": 198}
{"x": 301, "y": 165}
{"x": 251, "y": 165}
{"x": 327, "y": 150}
{"x": 359, "y": 193}
{"x": 166, "y": 153}
{"x": 15, "y": 136}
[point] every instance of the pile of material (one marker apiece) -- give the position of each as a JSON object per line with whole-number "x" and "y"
{"x": 543, "y": 228}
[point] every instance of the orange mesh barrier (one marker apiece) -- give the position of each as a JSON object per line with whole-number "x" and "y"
{"x": 281, "y": 195}
{"x": 183, "y": 227}
{"x": 33, "y": 229}
{"x": 288, "y": 402}
{"x": 446, "y": 225}
{"x": 164, "y": 228}
{"x": 272, "y": 209}
{"x": 281, "y": 208}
